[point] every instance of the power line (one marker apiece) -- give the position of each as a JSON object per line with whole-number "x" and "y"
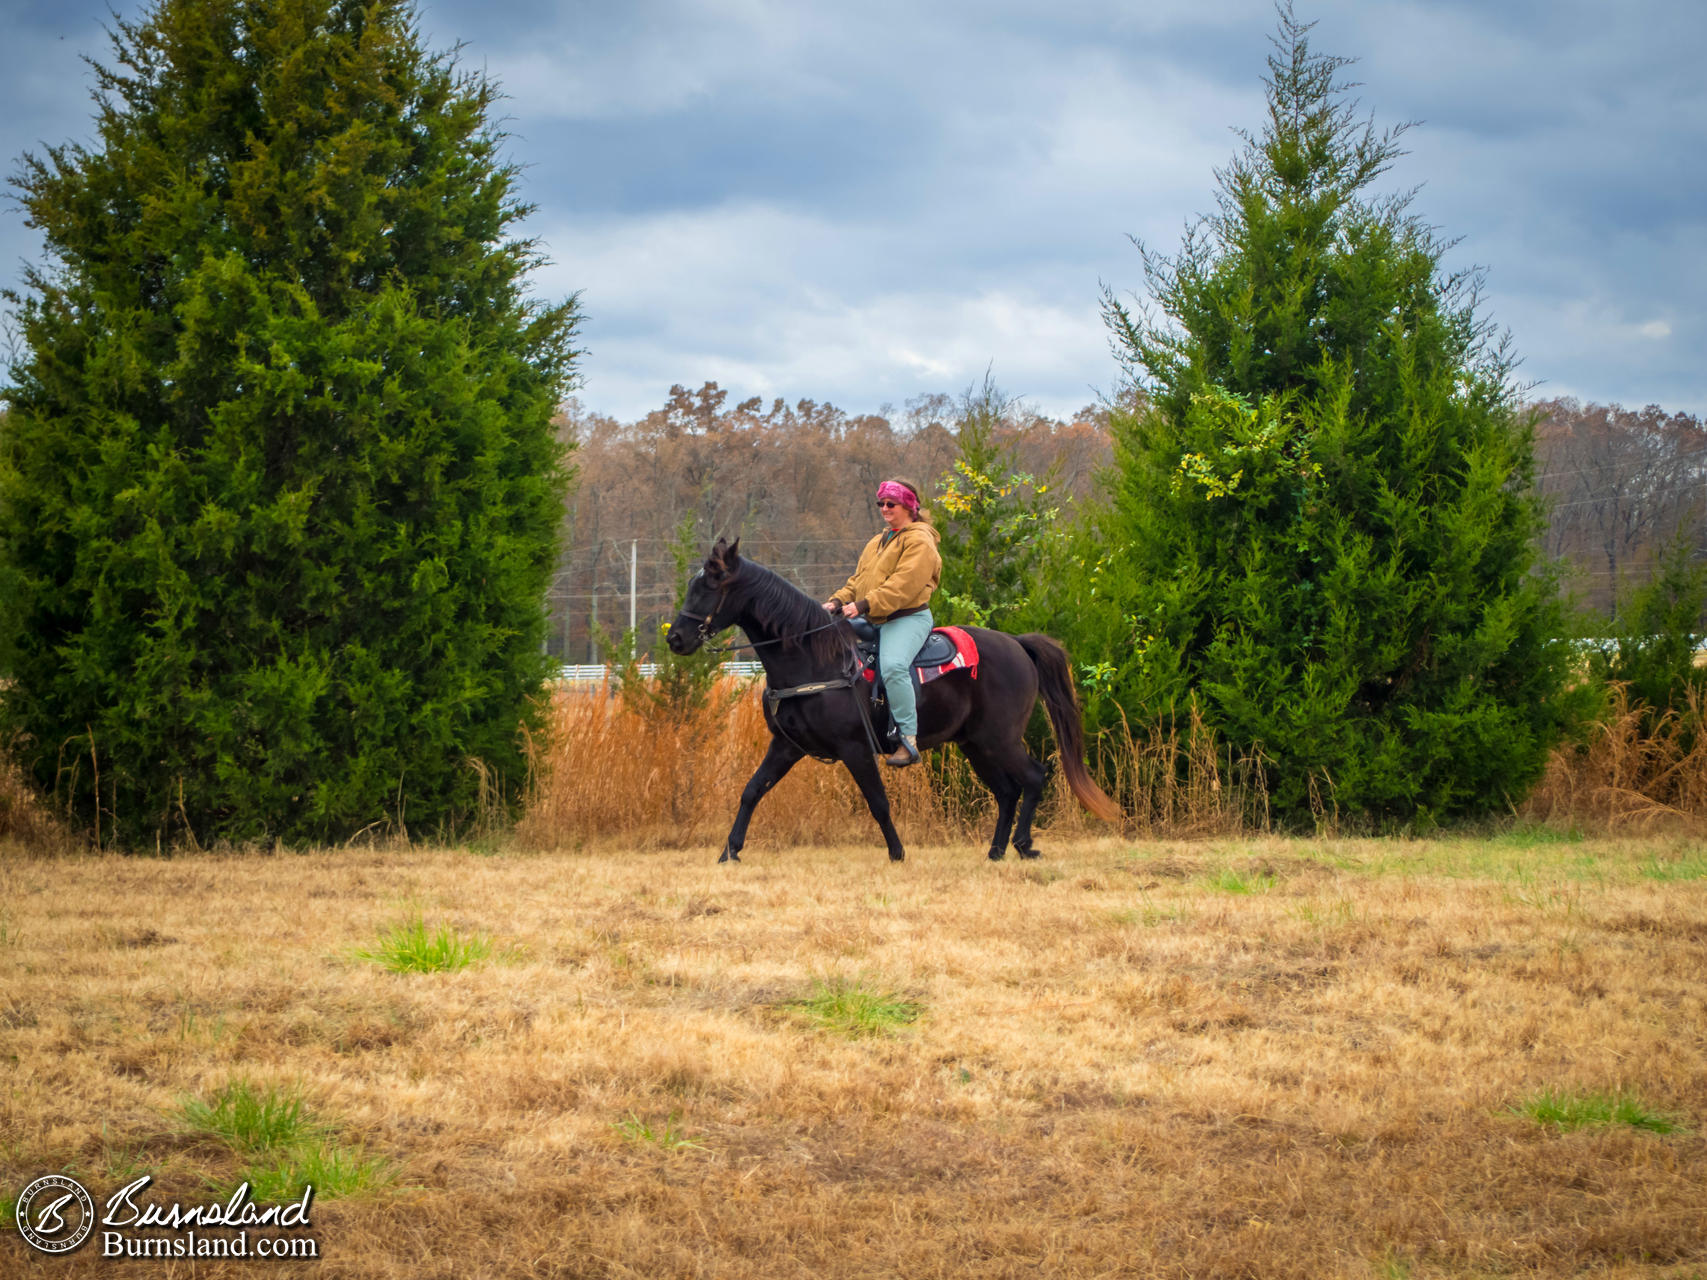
{"x": 760, "y": 540}
{"x": 1679, "y": 495}
{"x": 1679, "y": 457}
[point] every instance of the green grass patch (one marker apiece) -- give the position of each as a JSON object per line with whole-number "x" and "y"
{"x": 247, "y": 1117}
{"x": 1528, "y": 852}
{"x": 1230, "y": 880}
{"x": 191, "y": 1026}
{"x": 333, "y": 1169}
{"x": 122, "y": 1163}
{"x": 411, "y": 947}
{"x": 1668, "y": 869}
{"x": 1534, "y": 836}
{"x": 847, "y": 1007}
{"x": 1525, "y": 888}
{"x": 668, "y": 1136}
{"x": 281, "y": 1146}
{"x": 1564, "y": 1111}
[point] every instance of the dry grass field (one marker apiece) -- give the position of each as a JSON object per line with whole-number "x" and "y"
{"x": 1239, "y": 1057}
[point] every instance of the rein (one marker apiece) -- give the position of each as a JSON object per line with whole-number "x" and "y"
{"x": 705, "y": 629}
{"x": 759, "y": 644}
{"x": 774, "y": 699}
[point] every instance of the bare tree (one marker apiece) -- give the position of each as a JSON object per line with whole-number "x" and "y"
{"x": 1623, "y": 484}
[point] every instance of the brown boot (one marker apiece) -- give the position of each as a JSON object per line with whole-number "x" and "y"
{"x": 905, "y": 754}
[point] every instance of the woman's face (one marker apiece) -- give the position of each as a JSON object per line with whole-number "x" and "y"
{"x": 894, "y": 515}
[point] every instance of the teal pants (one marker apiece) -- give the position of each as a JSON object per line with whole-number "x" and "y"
{"x": 898, "y": 641}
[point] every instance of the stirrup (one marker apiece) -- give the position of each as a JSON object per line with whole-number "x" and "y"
{"x": 907, "y": 753}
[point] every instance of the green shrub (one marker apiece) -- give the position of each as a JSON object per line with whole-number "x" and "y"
{"x": 997, "y": 521}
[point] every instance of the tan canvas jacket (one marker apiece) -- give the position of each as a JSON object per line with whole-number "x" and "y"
{"x": 897, "y": 578}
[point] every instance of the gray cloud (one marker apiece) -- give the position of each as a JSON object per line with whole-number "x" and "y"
{"x": 860, "y": 202}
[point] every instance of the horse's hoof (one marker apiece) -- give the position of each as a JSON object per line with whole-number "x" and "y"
{"x": 1028, "y": 854}
{"x": 898, "y": 857}
{"x": 729, "y": 855}
{"x": 996, "y": 855}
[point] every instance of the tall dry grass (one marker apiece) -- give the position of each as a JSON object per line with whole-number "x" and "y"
{"x": 624, "y": 771}
{"x": 1175, "y": 778}
{"x": 613, "y": 768}
{"x": 1637, "y": 769}
{"x": 26, "y": 821}
{"x": 609, "y": 768}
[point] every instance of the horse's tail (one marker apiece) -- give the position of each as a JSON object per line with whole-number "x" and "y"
{"x": 1055, "y": 683}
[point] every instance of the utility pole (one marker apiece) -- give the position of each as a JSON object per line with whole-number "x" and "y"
{"x": 633, "y": 573}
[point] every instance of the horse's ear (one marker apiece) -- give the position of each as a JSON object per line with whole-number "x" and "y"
{"x": 717, "y": 563}
{"x": 733, "y": 556}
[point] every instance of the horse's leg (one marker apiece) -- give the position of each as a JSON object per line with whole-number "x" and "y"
{"x": 779, "y": 759}
{"x": 1032, "y": 779}
{"x": 855, "y": 755}
{"x": 1002, "y": 786}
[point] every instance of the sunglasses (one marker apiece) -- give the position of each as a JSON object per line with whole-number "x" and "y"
{"x": 887, "y": 503}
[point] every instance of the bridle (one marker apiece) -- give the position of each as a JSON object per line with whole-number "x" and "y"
{"x": 706, "y": 630}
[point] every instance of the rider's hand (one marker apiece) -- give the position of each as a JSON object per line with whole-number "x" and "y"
{"x": 850, "y": 611}
{"x": 832, "y": 606}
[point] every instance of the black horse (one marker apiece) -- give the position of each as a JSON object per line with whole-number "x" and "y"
{"x": 814, "y": 695}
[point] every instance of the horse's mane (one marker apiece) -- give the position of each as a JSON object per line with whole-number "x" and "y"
{"x": 785, "y": 610}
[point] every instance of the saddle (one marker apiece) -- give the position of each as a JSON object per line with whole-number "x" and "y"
{"x": 945, "y": 649}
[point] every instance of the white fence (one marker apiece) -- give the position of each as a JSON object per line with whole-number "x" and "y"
{"x": 598, "y": 672}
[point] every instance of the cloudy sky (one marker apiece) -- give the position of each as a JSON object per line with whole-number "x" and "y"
{"x": 863, "y": 202}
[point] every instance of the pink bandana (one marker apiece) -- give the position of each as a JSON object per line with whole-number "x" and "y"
{"x": 898, "y": 493}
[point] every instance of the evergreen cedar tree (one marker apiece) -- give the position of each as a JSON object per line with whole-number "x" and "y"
{"x": 1322, "y": 524}
{"x": 279, "y": 490}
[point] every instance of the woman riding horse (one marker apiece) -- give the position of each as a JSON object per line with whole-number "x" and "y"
{"x": 892, "y": 586}
{"x": 815, "y": 701}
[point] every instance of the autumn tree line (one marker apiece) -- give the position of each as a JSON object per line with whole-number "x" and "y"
{"x": 796, "y": 481}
